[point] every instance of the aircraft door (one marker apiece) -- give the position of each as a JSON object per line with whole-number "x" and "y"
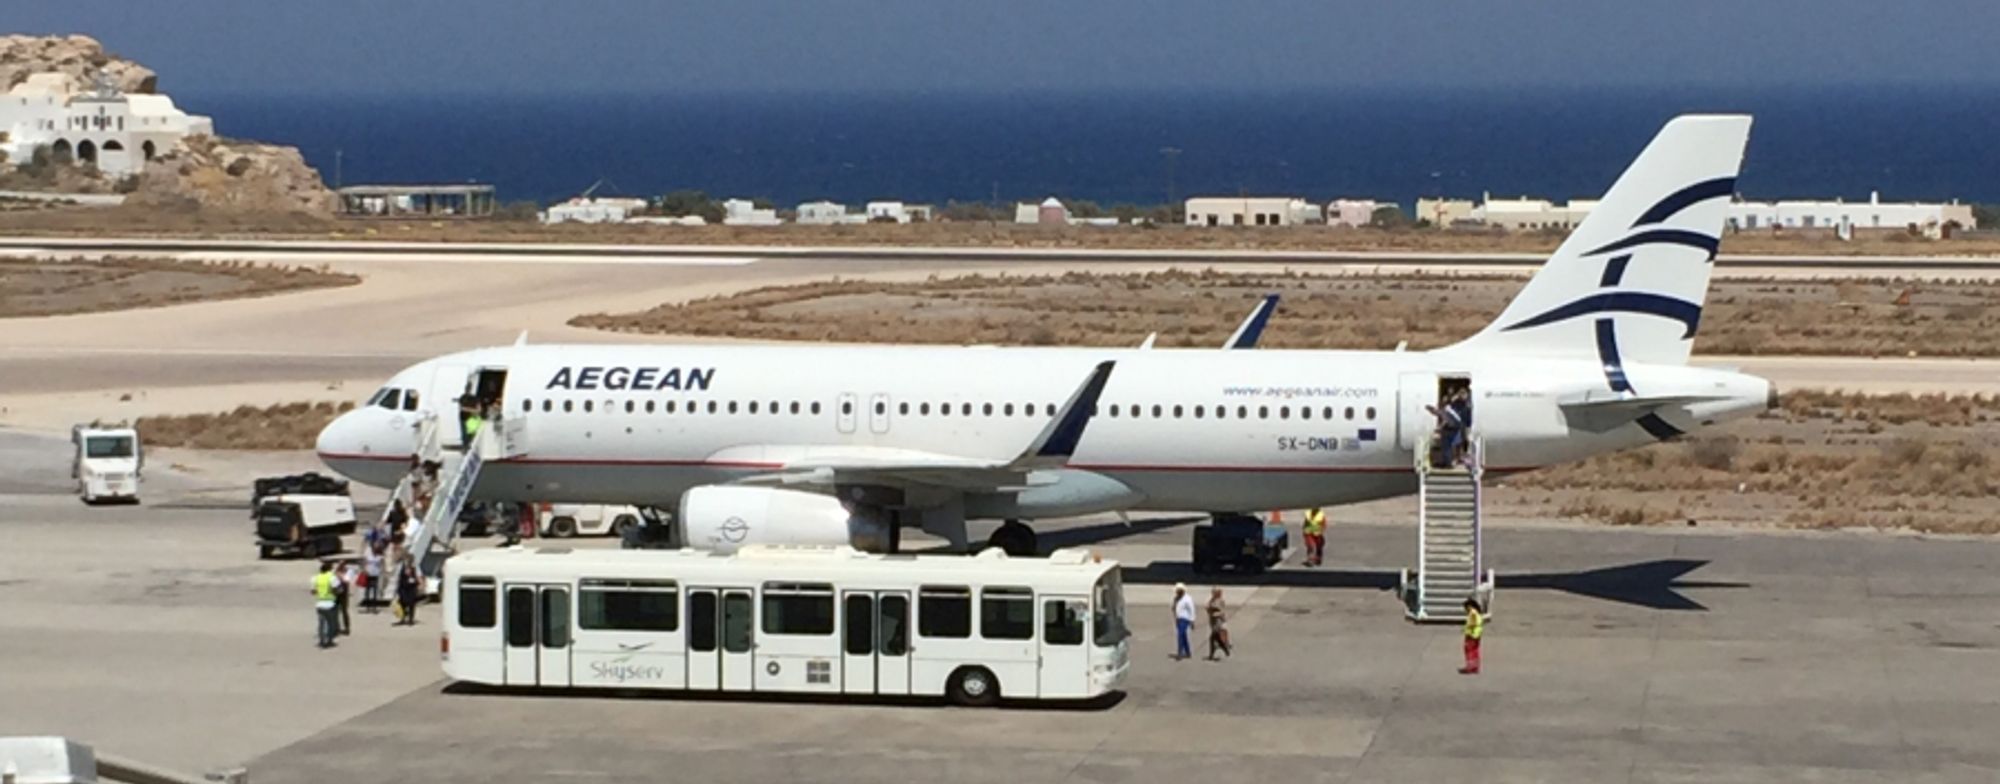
{"x": 843, "y": 411}
{"x": 447, "y": 385}
{"x": 1414, "y": 391}
{"x": 1065, "y": 659}
{"x": 537, "y": 625}
{"x": 878, "y": 413}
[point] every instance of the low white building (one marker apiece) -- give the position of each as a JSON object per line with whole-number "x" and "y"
{"x": 1929, "y": 217}
{"x": 739, "y": 212}
{"x": 898, "y": 212}
{"x": 1351, "y": 212}
{"x": 115, "y": 131}
{"x": 1443, "y": 213}
{"x": 1532, "y": 214}
{"x": 593, "y": 210}
{"x": 826, "y": 213}
{"x": 1251, "y": 211}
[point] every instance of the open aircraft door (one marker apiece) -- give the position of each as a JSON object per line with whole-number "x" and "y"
{"x": 447, "y": 385}
{"x": 1414, "y": 391}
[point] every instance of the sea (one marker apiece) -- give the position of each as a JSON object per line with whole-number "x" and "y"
{"x": 1142, "y": 147}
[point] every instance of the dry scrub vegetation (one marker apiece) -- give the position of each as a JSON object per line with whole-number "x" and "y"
{"x": 48, "y": 287}
{"x": 1823, "y": 460}
{"x": 283, "y": 426}
{"x": 1200, "y": 308}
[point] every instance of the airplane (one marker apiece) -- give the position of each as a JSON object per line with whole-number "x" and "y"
{"x": 851, "y": 444}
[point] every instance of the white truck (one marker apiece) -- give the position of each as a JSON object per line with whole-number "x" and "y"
{"x": 566, "y": 520}
{"x": 107, "y": 464}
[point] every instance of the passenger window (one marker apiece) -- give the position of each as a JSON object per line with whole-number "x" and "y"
{"x": 1007, "y": 409}
{"x": 795, "y": 406}
{"x": 774, "y": 407}
{"x": 1221, "y": 412}
{"x": 846, "y": 407}
{"x": 944, "y": 612}
{"x": 1114, "y": 411}
{"x": 1305, "y": 412}
{"x": 1263, "y": 412}
{"x": 649, "y": 406}
{"x": 1350, "y": 412}
{"x": 1242, "y": 412}
{"x": 548, "y": 405}
{"x": 798, "y": 608}
{"x": 753, "y": 407}
{"x": 1371, "y": 413}
{"x": 965, "y": 410}
{"x": 944, "y": 409}
{"x": 586, "y": 406}
{"x": 924, "y": 409}
{"x": 628, "y": 605}
{"x": 903, "y": 409}
{"x": 629, "y": 406}
{"x": 987, "y": 409}
{"x": 475, "y": 603}
{"x": 527, "y": 406}
{"x": 670, "y": 407}
{"x": 1177, "y": 412}
{"x": 1197, "y": 412}
{"x": 1326, "y": 413}
{"x": 815, "y": 408}
{"x": 1284, "y": 412}
{"x": 569, "y": 406}
{"x": 1156, "y": 411}
{"x": 1062, "y": 622}
{"x": 732, "y": 406}
{"x": 881, "y": 408}
{"x": 1007, "y": 614}
{"x": 711, "y": 406}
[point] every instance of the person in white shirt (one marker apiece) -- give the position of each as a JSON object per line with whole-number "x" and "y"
{"x": 371, "y": 594}
{"x": 1183, "y": 621}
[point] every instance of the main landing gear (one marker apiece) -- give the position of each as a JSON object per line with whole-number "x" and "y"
{"x": 1014, "y": 538}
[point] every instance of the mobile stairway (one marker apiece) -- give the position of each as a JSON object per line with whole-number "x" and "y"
{"x": 1450, "y": 563}
{"x": 434, "y": 537}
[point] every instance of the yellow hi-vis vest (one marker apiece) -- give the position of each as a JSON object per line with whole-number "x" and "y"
{"x": 323, "y": 586}
{"x": 1475, "y": 624}
{"x": 1315, "y": 521}
{"x": 472, "y": 425}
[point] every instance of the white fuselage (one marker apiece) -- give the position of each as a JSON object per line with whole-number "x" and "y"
{"x": 1205, "y": 430}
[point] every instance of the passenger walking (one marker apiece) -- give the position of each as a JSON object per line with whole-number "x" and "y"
{"x": 371, "y": 579}
{"x": 408, "y": 587}
{"x": 1315, "y": 536}
{"x": 343, "y": 588}
{"x": 1475, "y": 627}
{"x": 323, "y": 603}
{"x": 1218, "y": 625}
{"x": 1183, "y": 621}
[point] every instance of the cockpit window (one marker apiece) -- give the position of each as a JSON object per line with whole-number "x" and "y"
{"x": 376, "y": 399}
{"x": 393, "y": 400}
{"x": 409, "y": 400}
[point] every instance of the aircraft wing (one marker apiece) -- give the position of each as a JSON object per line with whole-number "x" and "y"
{"x": 824, "y": 468}
{"x": 1253, "y": 327}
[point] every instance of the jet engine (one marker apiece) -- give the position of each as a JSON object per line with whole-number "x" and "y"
{"x": 723, "y": 518}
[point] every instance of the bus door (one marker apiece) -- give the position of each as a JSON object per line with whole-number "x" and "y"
{"x": 875, "y": 643}
{"x": 720, "y": 625}
{"x": 537, "y": 621}
{"x": 1065, "y": 659}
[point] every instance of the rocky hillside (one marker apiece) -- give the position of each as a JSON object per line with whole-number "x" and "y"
{"x": 78, "y": 57}
{"x": 206, "y": 173}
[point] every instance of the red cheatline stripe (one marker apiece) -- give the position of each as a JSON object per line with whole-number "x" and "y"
{"x": 1217, "y": 469}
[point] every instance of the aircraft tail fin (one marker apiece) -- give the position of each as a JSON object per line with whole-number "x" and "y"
{"x": 1630, "y": 282}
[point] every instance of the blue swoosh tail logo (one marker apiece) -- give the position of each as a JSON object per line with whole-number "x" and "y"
{"x": 1683, "y": 311}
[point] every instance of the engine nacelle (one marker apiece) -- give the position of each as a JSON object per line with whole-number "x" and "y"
{"x": 723, "y": 518}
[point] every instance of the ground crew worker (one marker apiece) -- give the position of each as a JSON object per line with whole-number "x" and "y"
{"x": 323, "y": 604}
{"x": 1475, "y": 627}
{"x": 1183, "y": 621}
{"x": 1315, "y": 535}
{"x": 473, "y": 421}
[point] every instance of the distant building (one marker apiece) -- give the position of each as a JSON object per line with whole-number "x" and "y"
{"x": 1027, "y": 213}
{"x": 1443, "y": 213}
{"x": 1872, "y": 214}
{"x": 738, "y": 212}
{"x": 1052, "y": 213}
{"x": 826, "y": 213}
{"x": 1351, "y": 212}
{"x": 1251, "y": 211}
{"x": 117, "y": 132}
{"x": 455, "y": 200}
{"x": 593, "y": 210}
{"x": 898, "y": 212}
{"x": 1533, "y": 214}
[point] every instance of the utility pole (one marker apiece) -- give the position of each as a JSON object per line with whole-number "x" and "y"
{"x": 337, "y": 155}
{"x": 1173, "y": 155}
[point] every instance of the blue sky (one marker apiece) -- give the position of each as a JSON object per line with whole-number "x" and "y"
{"x": 432, "y": 46}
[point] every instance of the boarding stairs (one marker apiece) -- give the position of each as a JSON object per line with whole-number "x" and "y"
{"x": 1450, "y": 563}
{"x": 434, "y": 537}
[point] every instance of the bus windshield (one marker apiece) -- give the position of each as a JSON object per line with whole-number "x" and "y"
{"x": 1108, "y": 610}
{"x": 107, "y": 446}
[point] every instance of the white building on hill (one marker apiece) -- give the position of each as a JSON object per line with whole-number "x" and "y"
{"x": 1251, "y": 211}
{"x": 115, "y": 131}
{"x": 1532, "y": 214}
{"x": 740, "y": 212}
{"x": 898, "y": 212}
{"x": 1351, "y": 212}
{"x": 592, "y": 209}
{"x": 826, "y": 213}
{"x": 1871, "y": 214}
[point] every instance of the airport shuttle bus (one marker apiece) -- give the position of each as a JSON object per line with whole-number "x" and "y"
{"x": 791, "y": 619}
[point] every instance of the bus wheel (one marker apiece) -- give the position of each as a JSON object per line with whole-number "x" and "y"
{"x": 974, "y": 687}
{"x": 562, "y": 527}
{"x": 1014, "y": 539}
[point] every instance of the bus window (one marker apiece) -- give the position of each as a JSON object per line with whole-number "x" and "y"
{"x": 736, "y": 622}
{"x": 895, "y": 619}
{"x": 944, "y": 611}
{"x": 521, "y": 617}
{"x": 628, "y": 606}
{"x": 555, "y": 617}
{"x": 798, "y": 608}
{"x": 1108, "y": 616}
{"x": 1062, "y": 622}
{"x": 860, "y": 612}
{"x": 701, "y": 621}
{"x": 1007, "y": 614}
{"x": 475, "y": 603}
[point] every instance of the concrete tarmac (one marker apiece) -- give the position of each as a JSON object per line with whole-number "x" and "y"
{"x": 1615, "y": 655}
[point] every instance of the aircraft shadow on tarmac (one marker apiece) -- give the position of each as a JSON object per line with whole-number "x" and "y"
{"x": 1655, "y": 585}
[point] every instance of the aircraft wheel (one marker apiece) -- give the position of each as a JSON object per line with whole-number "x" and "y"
{"x": 1014, "y": 538}
{"x": 562, "y": 527}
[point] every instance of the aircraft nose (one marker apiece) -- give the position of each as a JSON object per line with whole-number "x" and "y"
{"x": 340, "y": 437}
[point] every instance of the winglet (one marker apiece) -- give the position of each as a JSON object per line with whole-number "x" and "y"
{"x": 1247, "y": 333}
{"x": 1058, "y": 441}
{"x": 523, "y": 339}
{"x": 1148, "y": 342}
